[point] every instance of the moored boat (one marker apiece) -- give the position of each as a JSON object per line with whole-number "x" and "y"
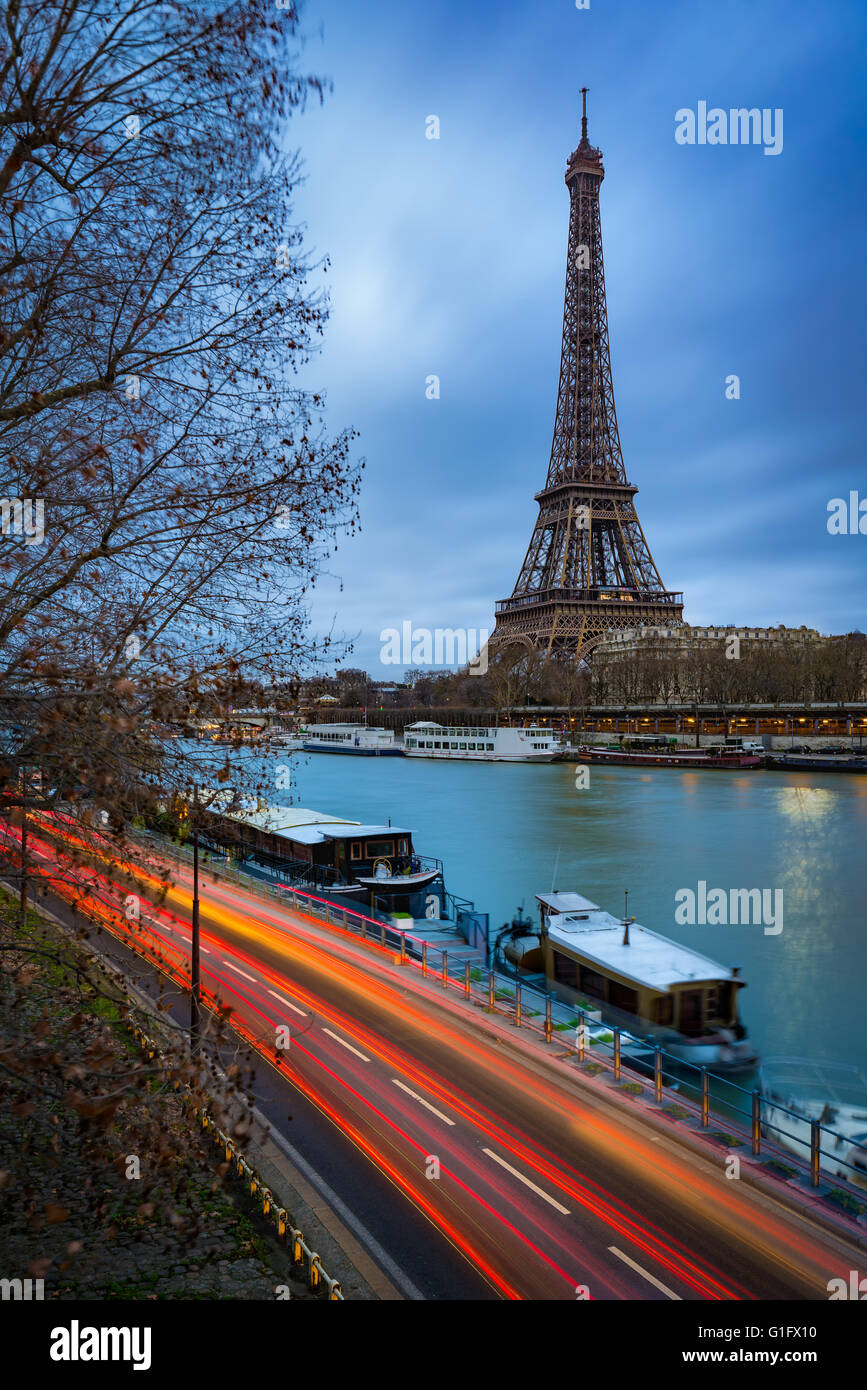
{"x": 362, "y": 740}
{"x": 426, "y": 739}
{"x": 374, "y": 868}
{"x": 817, "y": 762}
{"x": 690, "y": 758}
{"x": 644, "y": 982}
{"x": 799, "y": 1092}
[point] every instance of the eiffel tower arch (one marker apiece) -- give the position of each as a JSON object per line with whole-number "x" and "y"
{"x": 588, "y": 568}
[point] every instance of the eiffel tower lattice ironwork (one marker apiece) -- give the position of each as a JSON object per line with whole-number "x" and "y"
{"x": 588, "y": 569}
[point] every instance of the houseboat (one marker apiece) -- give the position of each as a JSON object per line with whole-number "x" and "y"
{"x": 505, "y": 745}
{"x": 371, "y": 868}
{"x": 360, "y": 739}
{"x": 798, "y": 1091}
{"x": 639, "y": 980}
{"x": 718, "y": 756}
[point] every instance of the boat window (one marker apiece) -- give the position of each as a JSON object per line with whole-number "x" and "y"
{"x": 401, "y": 846}
{"x": 592, "y": 983}
{"x": 379, "y": 849}
{"x": 622, "y": 997}
{"x": 665, "y": 1010}
{"x": 691, "y": 1024}
{"x": 490, "y": 748}
{"x": 454, "y": 745}
{"x": 471, "y": 747}
{"x": 355, "y": 850}
{"x": 463, "y": 748}
{"x": 436, "y": 745}
{"x": 565, "y": 970}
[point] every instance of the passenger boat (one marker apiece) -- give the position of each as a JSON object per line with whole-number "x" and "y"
{"x": 370, "y": 867}
{"x": 485, "y": 745}
{"x": 642, "y": 981}
{"x": 798, "y": 1091}
{"x": 360, "y": 739}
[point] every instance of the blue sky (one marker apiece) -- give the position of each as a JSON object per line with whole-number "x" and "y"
{"x": 448, "y": 257}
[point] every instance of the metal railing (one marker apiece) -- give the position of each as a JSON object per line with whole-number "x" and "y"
{"x": 302, "y": 1254}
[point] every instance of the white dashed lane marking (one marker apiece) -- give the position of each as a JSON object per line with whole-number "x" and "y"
{"x": 293, "y": 1007}
{"x": 526, "y": 1181}
{"x": 344, "y": 1043}
{"x": 651, "y": 1279}
{"x": 426, "y": 1103}
{"x": 241, "y": 972}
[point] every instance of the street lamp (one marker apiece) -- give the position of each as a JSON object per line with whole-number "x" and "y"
{"x": 23, "y": 845}
{"x": 195, "y": 971}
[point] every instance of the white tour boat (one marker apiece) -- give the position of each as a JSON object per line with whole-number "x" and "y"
{"x": 504, "y": 745}
{"x": 359, "y": 739}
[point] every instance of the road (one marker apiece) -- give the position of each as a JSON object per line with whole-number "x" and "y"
{"x": 488, "y": 1167}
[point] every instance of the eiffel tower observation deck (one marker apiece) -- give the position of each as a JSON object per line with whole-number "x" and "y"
{"x": 588, "y": 569}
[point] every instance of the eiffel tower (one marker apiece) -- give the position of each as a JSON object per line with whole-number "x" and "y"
{"x": 588, "y": 569}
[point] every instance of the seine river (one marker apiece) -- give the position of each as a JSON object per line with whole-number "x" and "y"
{"x": 508, "y": 831}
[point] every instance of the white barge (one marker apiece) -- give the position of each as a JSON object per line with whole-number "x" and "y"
{"x": 642, "y": 981}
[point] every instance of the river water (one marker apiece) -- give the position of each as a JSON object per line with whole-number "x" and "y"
{"x": 508, "y": 831}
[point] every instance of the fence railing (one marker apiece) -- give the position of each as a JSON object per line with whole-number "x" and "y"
{"x": 302, "y": 1254}
{"x": 749, "y": 1110}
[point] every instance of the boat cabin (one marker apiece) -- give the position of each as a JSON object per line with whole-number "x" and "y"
{"x": 277, "y": 835}
{"x": 623, "y": 968}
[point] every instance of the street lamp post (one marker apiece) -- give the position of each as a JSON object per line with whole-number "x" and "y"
{"x": 195, "y": 973}
{"x": 23, "y": 845}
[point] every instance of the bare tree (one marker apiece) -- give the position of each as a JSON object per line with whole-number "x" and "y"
{"x": 171, "y": 490}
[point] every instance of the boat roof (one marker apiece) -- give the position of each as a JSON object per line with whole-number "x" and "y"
{"x": 567, "y": 902}
{"x": 650, "y": 959}
{"x": 311, "y": 728}
{"x": 296, "y": 823}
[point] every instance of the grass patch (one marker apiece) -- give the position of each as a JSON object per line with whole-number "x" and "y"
{"x": 676, "y": 1112}
{"x": 593, "y": 1068}
{"x": 632, "y": 1088}
{"x": 848, "y": 1202}
{"x": 781, "y": 1169}
{"x": 731, "y": 1141}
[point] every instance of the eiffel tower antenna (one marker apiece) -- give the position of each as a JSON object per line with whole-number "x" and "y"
{"x": 588, "y": 570}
